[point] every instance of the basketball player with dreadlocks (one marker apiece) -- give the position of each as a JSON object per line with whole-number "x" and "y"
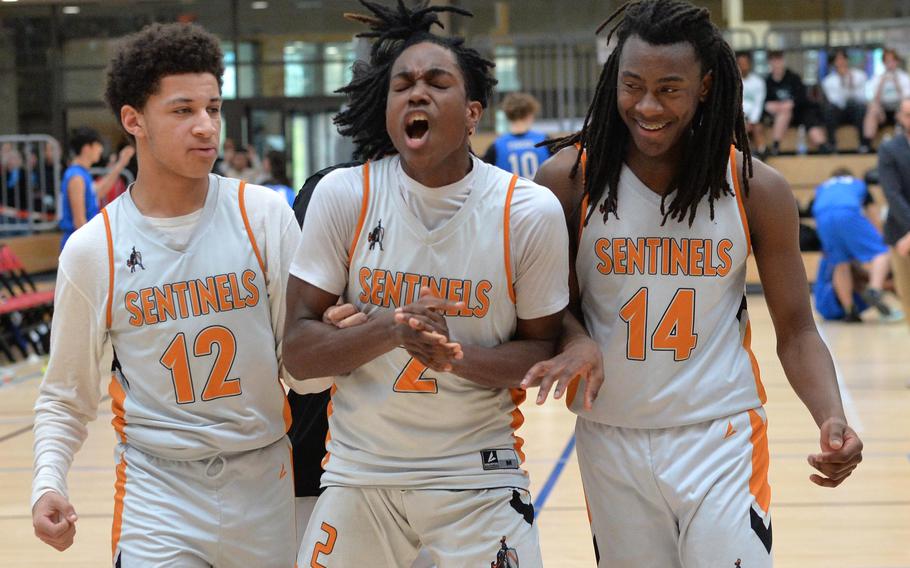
{"x": 667, "y": 204}
{"x": 462, "y": 271}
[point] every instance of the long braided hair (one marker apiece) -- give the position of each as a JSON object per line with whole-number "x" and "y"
{"x": 395, "y": 29}
{"x": 717, "y": 124}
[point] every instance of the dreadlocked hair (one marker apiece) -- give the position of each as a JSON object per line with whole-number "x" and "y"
{"x": 395, "y": 29}
{"x": 717, "y": 123}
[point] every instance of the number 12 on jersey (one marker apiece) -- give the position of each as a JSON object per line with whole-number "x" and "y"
{"x": 176, "y": 360}
{"x": 674, "y": 332}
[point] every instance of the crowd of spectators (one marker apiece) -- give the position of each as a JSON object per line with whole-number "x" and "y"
{"x": 846, "y": 96}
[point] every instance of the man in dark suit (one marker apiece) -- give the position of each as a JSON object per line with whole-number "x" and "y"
{"x": 894, "y": 176}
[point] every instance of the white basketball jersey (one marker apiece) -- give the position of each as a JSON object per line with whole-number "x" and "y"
{"x": 393, "y": 422}
{"x": 667, "y": 306}
{"x": 195, "y": 368}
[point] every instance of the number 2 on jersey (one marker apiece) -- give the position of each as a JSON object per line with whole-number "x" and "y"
{"x": 411, "y": 379}
{"x": 176, "y": 360}
{"x": 675, "y": 332}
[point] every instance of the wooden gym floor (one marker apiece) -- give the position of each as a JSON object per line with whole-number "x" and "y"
{"x": 863, "y": 524}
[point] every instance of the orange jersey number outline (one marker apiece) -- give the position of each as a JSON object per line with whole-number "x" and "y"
{"x": 411, "y": 379}
{"x": 324, "y": 548}
{"x": 176, "y": 360}
{"x": 675, "y": 332}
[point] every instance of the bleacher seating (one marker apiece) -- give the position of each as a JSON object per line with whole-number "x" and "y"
{"x": 25, "y": 310}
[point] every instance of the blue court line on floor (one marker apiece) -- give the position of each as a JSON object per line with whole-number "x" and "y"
{"x": 554, "y": 476}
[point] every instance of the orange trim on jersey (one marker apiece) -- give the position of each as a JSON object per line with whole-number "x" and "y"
{"x": 739, "y": 199}
{"x": 286, "y": 411}
{"x": 249, "y": 230}
{"x": 584, "y": 200}
{"x": 110, "y": 267}
{"x": 518, "y": 396}
{"x": 118, "y": 396}
{"x": 364, "y": 205}
{"x": 758, "y": 482}
{"x": 329, "y": 409}
{"x": 119, "y": 494}
{"x": 506, "y": 238}
{"x": 581, "y": 221}
{"x": 756, "y": 372}
{"x": 572, "y": 390}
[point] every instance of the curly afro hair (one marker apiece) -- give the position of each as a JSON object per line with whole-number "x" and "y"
{"x": 157, "y": 51}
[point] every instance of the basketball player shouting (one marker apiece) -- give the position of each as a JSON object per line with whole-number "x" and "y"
{"x": 422, "y": 449}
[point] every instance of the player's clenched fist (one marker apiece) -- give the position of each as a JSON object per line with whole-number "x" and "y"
{"x": 54, "y": 520}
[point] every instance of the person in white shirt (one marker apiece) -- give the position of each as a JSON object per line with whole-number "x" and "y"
{"x": 885, "y": 91}
{"x": 175, "y": 294}
{"x": 754, "y": 91}
{"x": 845, "y": 96}
{"x": 462, "y": 271}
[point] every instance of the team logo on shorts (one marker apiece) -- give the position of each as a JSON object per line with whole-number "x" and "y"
{"x": 506, "y": 557}
{"x": 376, "y": 235}
{"x": 134, "y": 260}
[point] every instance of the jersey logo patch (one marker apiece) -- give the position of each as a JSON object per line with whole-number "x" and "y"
{"x": 134, "y": 260}
{"x": 730, "y": 430}
{"x": 376, "y": 235}
{"x": 283, "y": 473}
{"x": 493, "y": 460}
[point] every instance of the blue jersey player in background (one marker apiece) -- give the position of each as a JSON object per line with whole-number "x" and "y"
{"x": 848, "y": 237}
{"x": 517, "y": 151}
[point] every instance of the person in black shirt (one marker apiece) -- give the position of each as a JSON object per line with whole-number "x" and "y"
{"x": 787, "y": 104}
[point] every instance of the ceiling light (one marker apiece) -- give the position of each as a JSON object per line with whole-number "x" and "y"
{"x": 259, "y": 5}
{"x": 71, "y": 10}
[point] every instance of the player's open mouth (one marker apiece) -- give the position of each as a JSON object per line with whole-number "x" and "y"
{"x": 416, "y": 126}
{"x": 651, "y": 126}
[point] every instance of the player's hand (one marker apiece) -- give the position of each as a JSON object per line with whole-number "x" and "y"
{"x": 842, "y": 450}
{"x": 344, "y": 316}
{"x": 54, "y": 520}
{"x": 581, "y": 359}
{"x": 422, "y": 330}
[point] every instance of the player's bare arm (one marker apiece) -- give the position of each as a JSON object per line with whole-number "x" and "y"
{"x": 773, "y": 223}
{"x": 505, "y": 365}
{"x": 314, "y": 349}
{"x": 75, "y": 192}
{"x": 578, "y": 356}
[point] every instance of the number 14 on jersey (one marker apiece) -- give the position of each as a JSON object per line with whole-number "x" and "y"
{"x": 674, "y": 332}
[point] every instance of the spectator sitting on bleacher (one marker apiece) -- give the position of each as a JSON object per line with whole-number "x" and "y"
{"x": 753, "y": 101}
{"x": 845, "y": 99}
{"x": 786, "y": 103}
{"x": 80, "y": 191}
{"x": 847, "y": 236}
{"x": 885, "y": 91}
